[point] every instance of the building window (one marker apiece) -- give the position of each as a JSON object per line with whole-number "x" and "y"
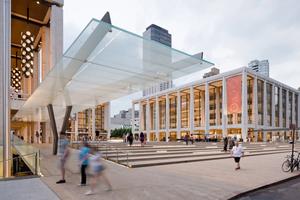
{"x": 260, "y": 101}
{"x": 284, "y": 93}
{"x": 185, "y": 108}
{"x": 173, "y": 111}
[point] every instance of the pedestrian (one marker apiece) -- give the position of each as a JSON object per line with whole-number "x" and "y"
{"x": 186, "y": 139}
{"x": 237, "y": 152}
{"x": 84, "y": 162}
{"x": 231, "y": 143}
{"x": 37, "y": 135}
{"x": 142, "y": 139}
{"x": 63, "y": 154}
{"x": 97, "y": 169}
{"x": 225, "y": 144}
{"x": 192, "y": 139}
{"x": 130, "y": 139}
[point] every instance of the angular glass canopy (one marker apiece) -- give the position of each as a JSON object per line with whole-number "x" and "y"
{"x": 104, "y": 63}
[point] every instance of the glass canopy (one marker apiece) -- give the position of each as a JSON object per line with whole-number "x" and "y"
{"x": 104, "y": 63}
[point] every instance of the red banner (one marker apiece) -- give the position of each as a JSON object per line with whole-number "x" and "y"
{"x": 234, "y": 94}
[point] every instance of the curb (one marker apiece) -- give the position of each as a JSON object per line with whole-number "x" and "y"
{"x": 264, "y": 187}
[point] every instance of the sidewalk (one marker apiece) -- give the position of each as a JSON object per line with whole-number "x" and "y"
{"x": 26, "y": 189}
{"x": 214, "y": 179}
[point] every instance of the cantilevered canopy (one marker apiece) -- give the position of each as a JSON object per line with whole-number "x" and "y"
{"x": 104, "y": 63}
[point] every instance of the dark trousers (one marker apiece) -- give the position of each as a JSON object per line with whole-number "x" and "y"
{"x": 83, "y": 174}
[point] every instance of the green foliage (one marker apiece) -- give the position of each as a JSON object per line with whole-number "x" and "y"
{"x": 119, "y": 132}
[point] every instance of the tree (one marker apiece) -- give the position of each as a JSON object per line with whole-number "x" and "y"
{"x": 119, "y": 132}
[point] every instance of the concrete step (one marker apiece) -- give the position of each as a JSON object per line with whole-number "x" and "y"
{"x": 188, "y": 155}
{"x": 196, "y": 159}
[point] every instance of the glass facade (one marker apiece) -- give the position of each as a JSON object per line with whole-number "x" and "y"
{"x": 284, "y": 93}
{"x": 250, "y": 97}
{"x": 260, "y": 100}
{"x": 173, "y": 111}
{"x": 162, "y": 113}
{"x": 266, "y": 91}
{"x": 199, "y": 107}
{"x": 185, "y": 109}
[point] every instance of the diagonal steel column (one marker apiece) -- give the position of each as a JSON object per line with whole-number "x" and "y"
{"x": 53, "y": 127}
{"x": 66, "y": 119}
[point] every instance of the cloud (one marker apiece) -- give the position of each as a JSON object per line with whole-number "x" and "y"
{"x": 230, "y": 33}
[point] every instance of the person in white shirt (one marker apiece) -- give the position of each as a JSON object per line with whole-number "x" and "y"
{"x": 237, "y": 152}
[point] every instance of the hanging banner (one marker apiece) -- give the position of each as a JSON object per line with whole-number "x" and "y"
{"x": 234, "y": 94}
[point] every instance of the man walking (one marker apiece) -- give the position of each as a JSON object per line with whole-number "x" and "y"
{"x": 237, "y": 152}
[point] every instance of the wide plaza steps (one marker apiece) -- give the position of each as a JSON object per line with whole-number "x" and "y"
{"x": 154, "y": 154}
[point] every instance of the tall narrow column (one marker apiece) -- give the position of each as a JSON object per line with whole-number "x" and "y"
{"x": 148, "y": 120}
{"x": 287, "y": 110}
{"x": 273, "y": 106}
{"x": 132, "y": 117}
{"x": 141, "y": 116}
{"x": 56, "y": 34}
{"x": 206, "y": 109}
{"x": 265, "y": 111}
{"x": 255, "y": 108}
{"x": 244, "y": 106}
{"x": 280, "y": 107}
{"x": 293, "y": 108}
{"x": 107, "y": 119}
{"x": 178, "y": 108}
{"x": 224, "y": 108}
{"x": 5, "y": 52}
{"x": 93, "y": 123}
{"x": 76, "y": 127}
{"x": 167, "y": 117}
{"x": 191, "y": 110}
{"x": 157, "y": 118}
{"x": 217, "y": 107}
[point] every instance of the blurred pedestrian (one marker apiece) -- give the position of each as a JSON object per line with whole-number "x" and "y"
{"x": 225, "y": 144}
{"x": 142, "y": 138}
{"x": 97, "y": 169}
{"x": 130, "y": 139}
{"x": 84, "y": 162}
{"x": 63, "y": 154}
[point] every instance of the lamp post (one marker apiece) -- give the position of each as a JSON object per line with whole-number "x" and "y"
{"x": 292, "y": 127}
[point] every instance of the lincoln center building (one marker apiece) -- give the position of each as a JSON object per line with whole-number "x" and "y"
{"x": 239, "y": 103}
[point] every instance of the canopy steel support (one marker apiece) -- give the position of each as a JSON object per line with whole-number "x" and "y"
{"x": 54, "y": 127}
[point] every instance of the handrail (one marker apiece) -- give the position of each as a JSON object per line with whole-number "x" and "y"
{"x": 20, "y": 156}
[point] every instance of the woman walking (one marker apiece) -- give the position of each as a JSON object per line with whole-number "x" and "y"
{"x": 237, "y": 152}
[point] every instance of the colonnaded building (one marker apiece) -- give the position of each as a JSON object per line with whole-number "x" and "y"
{"x": 239, "y": 103}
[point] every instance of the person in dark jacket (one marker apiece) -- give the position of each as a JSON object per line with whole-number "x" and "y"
{"x": 225, "y": 144}
{"x": 142, "y": 138}
{"x": 130, "y": 138}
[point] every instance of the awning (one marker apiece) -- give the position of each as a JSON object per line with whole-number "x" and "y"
{"x": 104, "y": 63}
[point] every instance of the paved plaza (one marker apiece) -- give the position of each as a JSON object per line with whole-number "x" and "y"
{"x": 215, "y": 179}
{"x": 26, "y": 189}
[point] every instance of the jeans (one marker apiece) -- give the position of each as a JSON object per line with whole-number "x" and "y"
{"x": 83, "y": 174}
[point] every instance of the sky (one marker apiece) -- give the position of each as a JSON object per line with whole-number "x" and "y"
{"x": 230, "y": 33}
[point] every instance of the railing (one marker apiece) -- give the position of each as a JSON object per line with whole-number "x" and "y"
{"x": 34, "y": 169}
{"x": 24, "y": 149}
